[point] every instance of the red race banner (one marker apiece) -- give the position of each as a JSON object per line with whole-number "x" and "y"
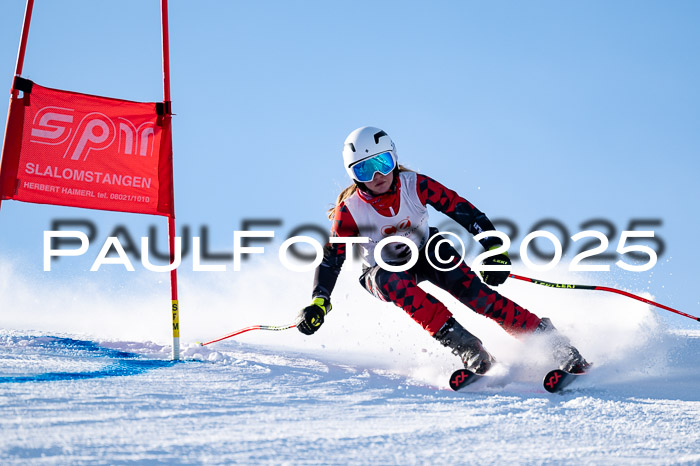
{"x": 79, "y": 150}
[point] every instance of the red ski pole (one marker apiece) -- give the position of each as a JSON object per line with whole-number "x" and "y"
{"x": 602, "y": 288}
{"x": 248, "y": 329}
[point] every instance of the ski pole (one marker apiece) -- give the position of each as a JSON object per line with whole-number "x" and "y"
{"x": 248, "y": 329}
{"x": 601, "y": 288}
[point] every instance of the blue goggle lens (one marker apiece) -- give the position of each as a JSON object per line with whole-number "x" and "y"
{"x": 364, "y": 170}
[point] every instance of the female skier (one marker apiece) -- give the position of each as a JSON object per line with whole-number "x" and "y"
{"x": 388, "y": 200}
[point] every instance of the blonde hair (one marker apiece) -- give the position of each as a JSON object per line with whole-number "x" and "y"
{"x": 350, "y": 190}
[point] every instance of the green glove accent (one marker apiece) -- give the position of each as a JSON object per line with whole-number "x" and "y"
{"x": 323, "y": 303}
{"x": 310, "y": 318}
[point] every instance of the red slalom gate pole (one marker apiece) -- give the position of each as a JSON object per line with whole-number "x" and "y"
{"x": 602, "y": 288}
{"x": 175, "y": 309}
{"x": 248, "y": 329}
{"x": 25, "y": 34}
{"x": 20, "y": 60}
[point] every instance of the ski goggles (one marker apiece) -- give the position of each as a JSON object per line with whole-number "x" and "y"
{"x": 364, "y": 170}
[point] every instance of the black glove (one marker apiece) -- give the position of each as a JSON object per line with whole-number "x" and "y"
{"x": 496, "y": 277}
{"x": 311, "y": 317}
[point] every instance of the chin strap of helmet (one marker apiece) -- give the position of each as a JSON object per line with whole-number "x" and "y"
{"x": 361, "y": 186}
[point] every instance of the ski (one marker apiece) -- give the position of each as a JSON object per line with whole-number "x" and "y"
{"x": 555, "y": 381}
{"x": 463, "y": 377}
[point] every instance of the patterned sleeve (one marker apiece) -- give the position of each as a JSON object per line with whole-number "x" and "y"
{"x": 334, "y": 254}
{"x": 457, "y": 208}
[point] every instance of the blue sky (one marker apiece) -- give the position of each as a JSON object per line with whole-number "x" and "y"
{"x": 531, "y": 110}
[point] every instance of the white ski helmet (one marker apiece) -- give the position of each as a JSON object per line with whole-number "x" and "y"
{"x": 364, "y": 143}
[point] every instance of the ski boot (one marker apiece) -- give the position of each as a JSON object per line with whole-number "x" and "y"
{"x": 466, "y": 346}
{"x": 565, "y": 354}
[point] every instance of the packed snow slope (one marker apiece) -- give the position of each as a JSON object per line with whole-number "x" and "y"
{"x": 85, "y": 377}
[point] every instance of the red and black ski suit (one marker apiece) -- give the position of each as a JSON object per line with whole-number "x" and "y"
{"x": 401, "y": 288}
